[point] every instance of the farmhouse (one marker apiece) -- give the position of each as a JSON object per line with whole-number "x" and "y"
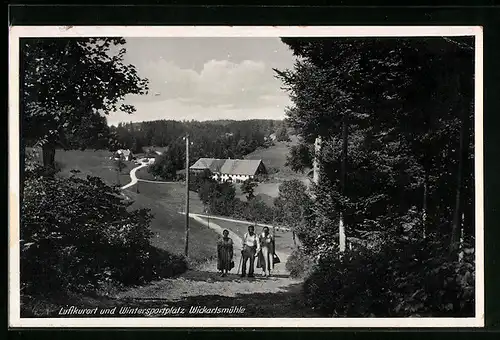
{"x": 234, "y": 170}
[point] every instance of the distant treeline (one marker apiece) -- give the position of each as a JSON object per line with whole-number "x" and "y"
{"x": 216, "y": 139}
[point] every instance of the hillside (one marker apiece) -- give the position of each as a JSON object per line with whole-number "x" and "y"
{"x": 217, "y": 139}
{"x": 164, "y": 200}
{"x": 274, "y": 158}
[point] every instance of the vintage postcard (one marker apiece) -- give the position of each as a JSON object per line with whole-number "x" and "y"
{"x": 246, "y": 176}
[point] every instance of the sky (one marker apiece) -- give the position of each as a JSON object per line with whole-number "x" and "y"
{"x": 207, "y": 78}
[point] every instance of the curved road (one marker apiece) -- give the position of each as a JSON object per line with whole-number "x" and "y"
{"x": 193, "y": 215}
{"x": 134, "y": 179}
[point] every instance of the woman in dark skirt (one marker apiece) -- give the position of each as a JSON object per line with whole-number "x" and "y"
{"x": 225, "y": 253}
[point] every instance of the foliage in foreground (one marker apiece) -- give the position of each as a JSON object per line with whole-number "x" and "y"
{"x": 396, "y": 172}
{"x": 79, "y": 235}
{"x": 406, "y": 278}
{"x": 299, "y": 264}
{"x": 68, "y": 86}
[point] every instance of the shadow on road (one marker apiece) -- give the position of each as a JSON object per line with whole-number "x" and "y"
{"x": 285, "y": 304}
{"x": 208, "y": 276}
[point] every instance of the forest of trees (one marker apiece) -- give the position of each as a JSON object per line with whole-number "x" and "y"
{"x": 225, "y": 138}
{"x": 213, "y": 139}
{"x": 395, "y": 117}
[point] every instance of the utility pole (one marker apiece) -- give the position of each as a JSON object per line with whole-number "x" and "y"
{"x": 187, "y": 195}
{"x": 274, "y": 223}
{"x": 207, "y": 215}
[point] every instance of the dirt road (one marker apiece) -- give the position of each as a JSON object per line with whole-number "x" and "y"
{"x": 276, "y": 296}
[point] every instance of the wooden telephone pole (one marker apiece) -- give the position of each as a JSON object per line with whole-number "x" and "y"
{"x": 187, "y": 196}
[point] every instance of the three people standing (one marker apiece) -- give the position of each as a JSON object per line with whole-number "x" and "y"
{"x": 254, "y": 246}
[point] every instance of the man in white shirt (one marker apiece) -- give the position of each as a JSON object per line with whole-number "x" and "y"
{"x": 249, "y": 251}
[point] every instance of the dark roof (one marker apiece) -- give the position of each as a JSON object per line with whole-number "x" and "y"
{"x": 212, "y": 164}
{"x": 228, "y": 166}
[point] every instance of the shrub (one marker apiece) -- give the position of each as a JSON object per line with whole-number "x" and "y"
{"x": 168, "y": 163}
{"x": 406, "y": 278}
{"x": 299, "y": 264}
{"x": 78, "y": 235}
{"x": 248, "y": 187}
{"x": 253, "y": 210}
{"x": 162, "y": 264}
{"x": 198, "y": 179}
{"x": 219, "y": 197}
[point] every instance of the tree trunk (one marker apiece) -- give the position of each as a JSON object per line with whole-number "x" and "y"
{"x": 293, "y": 230}
{"x": 48, "y": 155}
{"x": 316, "y": 166}
{"x": 343, "y": 182}
{"x": 341, "y": 234}
{"x": 424, "y": 205}
{"x": 457, "y": 214}
{"x": 461, "y": 244}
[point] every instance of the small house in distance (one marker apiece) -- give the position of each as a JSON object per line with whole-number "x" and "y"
{"x": 124, "y": 154}
{"x": 234, "y": 170}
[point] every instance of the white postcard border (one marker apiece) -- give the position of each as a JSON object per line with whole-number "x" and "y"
{"x": 17, "y": 32}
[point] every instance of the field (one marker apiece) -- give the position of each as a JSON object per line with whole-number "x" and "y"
{"x": 166, "y": 201}
{"x": 94, "y": 163}
{"x": 274, "y": 158}
{"x": 267, "y": 192}
{"x": 143, "y": 173}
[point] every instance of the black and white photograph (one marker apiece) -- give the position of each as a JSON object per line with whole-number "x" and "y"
{"x": 245, "y": 176}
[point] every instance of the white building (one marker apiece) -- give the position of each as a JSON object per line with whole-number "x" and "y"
{"x": 234, "y": 170}
{"x": 125, "y": 154}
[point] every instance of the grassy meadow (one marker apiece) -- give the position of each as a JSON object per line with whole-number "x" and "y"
{"x": 168, "y": 225}
{"x": 95, "y": 163}
{"x": 164, "y": 200}
{"x": 274, "y": 158}
{"x": 167, "y": 200}
{"x": 143, "y": 173}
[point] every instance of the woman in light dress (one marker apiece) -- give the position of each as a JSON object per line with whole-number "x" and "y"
{"x": 266, "y": 250}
